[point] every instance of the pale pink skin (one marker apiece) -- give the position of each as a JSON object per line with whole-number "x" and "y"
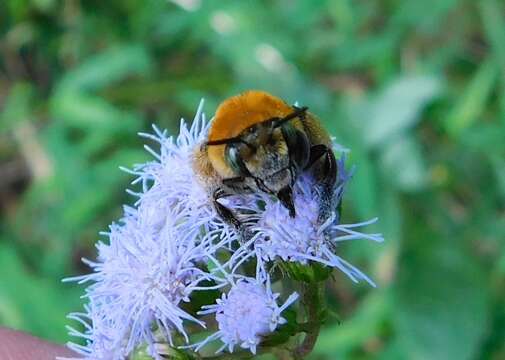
{"x": 16, "y": 345}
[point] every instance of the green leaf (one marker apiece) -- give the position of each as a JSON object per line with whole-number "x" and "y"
{"x": 17, "y": 107}
{"x": 424, "y": 16}
{"x": 91, "y": 113}
{"x": 398, "y": 107}
{"x": 362, "y": 193}
{"x": 340, "y": 339}
{"x": 442, "y": 297}
{"x": 498, "y": 163}
{"x": 403, "y": 165}
{"x": 392, "y": 351}
{"x": 44, "y": 5}
{"x": 33, "y": 303}
{"x": 363, "y": 51}
{"x": 494, "y": 27}
{"x": 472, "y": 104}
{"x": 362, "y": 190}
{"x": 107, "y": 67}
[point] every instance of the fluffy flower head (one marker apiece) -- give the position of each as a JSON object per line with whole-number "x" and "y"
{"x": 247, "y": 313}
{"x": 140, "y": 280}
{"x": 152, "y": 260}
{"x": 167, "y": 246}
{"x": 303, "y": 238}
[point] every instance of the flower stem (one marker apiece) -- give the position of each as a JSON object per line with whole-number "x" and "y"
{"x": 313, "y": 300}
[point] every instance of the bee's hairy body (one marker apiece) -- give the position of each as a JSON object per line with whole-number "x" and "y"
{"x": 257, "y": 142}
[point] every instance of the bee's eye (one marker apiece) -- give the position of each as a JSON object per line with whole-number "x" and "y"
{"x": 235, "y": 161}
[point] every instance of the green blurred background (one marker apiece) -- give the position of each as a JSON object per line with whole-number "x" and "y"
{"x": 416, "y": 90}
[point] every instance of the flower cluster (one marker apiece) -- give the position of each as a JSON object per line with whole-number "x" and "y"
{"x": 250, "y": 301}
{"x": 153, "y": 258}
{"x": 303, "y": 239}
{"x": 172, "y": 246}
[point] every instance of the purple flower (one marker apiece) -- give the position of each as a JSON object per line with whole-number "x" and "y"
{"x": 154, "y": 256}
{"x": 168, "y": 244}
{"x": 302, "y": 239}
{"x": 169, "y": 182}
{"x": 246, "y": 314}
{"x": 140, "y": 279}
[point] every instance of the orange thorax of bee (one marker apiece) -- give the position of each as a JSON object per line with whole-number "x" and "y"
{"x": 237, "y": 114}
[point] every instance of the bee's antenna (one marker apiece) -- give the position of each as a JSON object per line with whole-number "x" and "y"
{"x": 299, "y": 111}
{"x": 232, "y": 140}
{"x": 224, "y": 141}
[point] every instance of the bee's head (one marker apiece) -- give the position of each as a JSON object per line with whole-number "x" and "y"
{"x": 253, "y": 143}
{"x": 269, "y": 155}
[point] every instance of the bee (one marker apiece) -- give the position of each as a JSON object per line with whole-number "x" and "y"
{"x": 258, "y": 143}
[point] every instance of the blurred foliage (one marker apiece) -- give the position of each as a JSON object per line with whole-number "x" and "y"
{"x": 415, "y": 89}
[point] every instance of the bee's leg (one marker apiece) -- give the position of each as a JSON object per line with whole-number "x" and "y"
{"x": 324, "y": 164}
{"x": 228, "y": 216}
{"x": 316, "y": 153}
{"x": 329, "y": 194}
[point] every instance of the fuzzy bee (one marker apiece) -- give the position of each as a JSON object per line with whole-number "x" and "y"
{"x": 258, "y": 143}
